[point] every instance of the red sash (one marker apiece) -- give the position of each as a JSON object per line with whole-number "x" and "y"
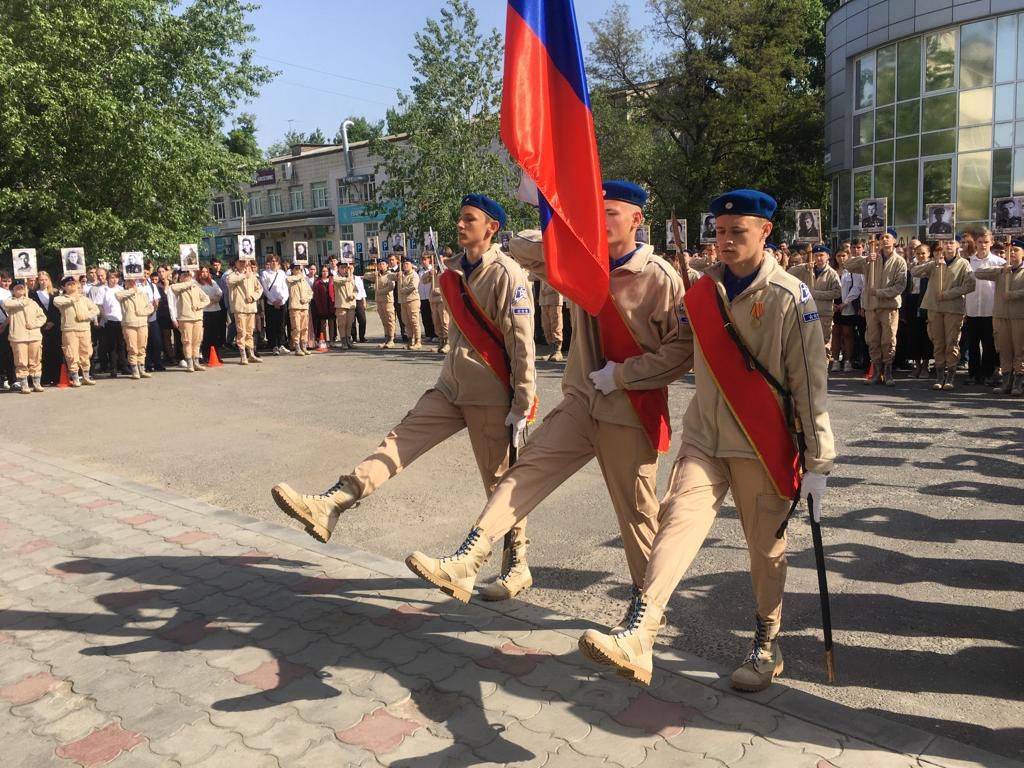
{"x": 650, "y": 405}
{"x": 479, "y": 330}
{"x": 749, "y": 396}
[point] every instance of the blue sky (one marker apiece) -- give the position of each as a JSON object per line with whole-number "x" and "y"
{"x": 342, "y": 57}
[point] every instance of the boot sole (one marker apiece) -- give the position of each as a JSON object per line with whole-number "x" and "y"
{"x": 285, "y": 504}
{"x": 758, "y": 688}
{"x": 624, "y": 669}
{"x": 448, "y": 588}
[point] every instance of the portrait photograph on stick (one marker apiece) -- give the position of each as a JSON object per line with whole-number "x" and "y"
{"x": 1006, "y": 215}
{"x": 707, "y": 228}
{"x": 808, "y": 225}
{"x": 873, "y": 214}
{"x": 670, "y": 239}
{"x": 397, "y": 243}
{"x": 188, "y": 256}
{"x": 347, "y": 250}
{"x": 430, "y": 241}
{"x": 373, "y": 248}
{"x": 24, "y": 263}
{"x": 247, "y": 247}
{"x": 72, "y": 261}
{"x": 300, "y": 252}
{"x": 131, "y": 264}
{"x": 941, "y": 220}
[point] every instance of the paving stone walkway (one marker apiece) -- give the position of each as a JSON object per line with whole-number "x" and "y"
{"x": 141, "y": 628}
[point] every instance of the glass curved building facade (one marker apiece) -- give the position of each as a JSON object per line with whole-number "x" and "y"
{"x": 924, "y": 104}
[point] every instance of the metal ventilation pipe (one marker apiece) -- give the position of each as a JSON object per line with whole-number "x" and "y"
{"x": 344, "y": 142}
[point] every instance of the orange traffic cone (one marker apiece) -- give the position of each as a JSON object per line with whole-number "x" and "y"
{"x": 871, "y": 371}
{"x": 214, "y": 360}
{"x": 322, "y": 346}
{"x": 65, "y": 382}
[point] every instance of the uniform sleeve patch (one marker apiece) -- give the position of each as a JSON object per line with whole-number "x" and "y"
{"x": 684, "y": 320}
{"x": 520, "y": 310}
{"x": 805, "y": 295}
{"x": 810, "y": 317}
{"x": 520, "y": 294}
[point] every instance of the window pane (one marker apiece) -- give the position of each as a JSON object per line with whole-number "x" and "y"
{"x": 885, "y": 123}
{"x": 1006, "y": 49}
{"x": 1002, "y": 176}
{"x": 908, "y": 118}
{"x": 1020, "y": 134}
{"x": 845, "y": 204}
{"x": 939, "y": 112}
{"x": 973, "y": 183}
{"x": 977, "y": 53}
{"x": 909, "y": 70}
{"x": 940, "y": 57}
{"x": 906, "y": 148}
{"x": 1004, "y": 102}
{"x": 863, "y": 156}
{"x": 938, "y": 143}
{"x": 885, "y": 75}
{"x": 883, "y": 180}
{"x": 883, "y": 151}
{"x": 864, "y": 129}
{"x": 1004, "y": 135}
{"x": 861, "y": 190}
{"x": 938, "y": 180}
{"x": 1018, "y": 171}
{"x": 905, "y": 203}
{"x": 976, "y": 106}
{"x": 865, "y": 75}
{"x": 976, "y": 138}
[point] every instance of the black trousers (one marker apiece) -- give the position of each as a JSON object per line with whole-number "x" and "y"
{"x": 360, "y": 321}
{"x": 214, "y": 332}
{"x": 978, "y": 340}
{"x": 6, "y": 357}
{"x": 113, "y": 346}
{"x": 274, "y": 319}
{"x": 427, "y": 319}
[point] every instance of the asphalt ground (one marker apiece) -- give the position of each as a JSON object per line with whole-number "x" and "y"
{"x": 923, "y": 521}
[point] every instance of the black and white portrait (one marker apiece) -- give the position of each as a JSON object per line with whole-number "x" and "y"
{"x": 873, "y": 212}
{"x": 73, "y": 261}
{"x": 1006, "y": 215}
{"x": 941, "y": 221}
{"x": 131, "y": 264}
{"x": 347, "y": 249}
{"x": 808, "y": 225}
{"x": 643, "y": 234}
{"x": 670, "y": 237}
{"x": 430, "y": 241}
{"x": 24, "y": 262}
{"x": 707, "y": 228}
{"x": 373, "y": 247}
{"x": 397, "y": 243}
{"x": 504, "y": 238}
{"x": 300, "y": 252}
{"x": 247, "y": 247}
{"x": 188, "y": 256}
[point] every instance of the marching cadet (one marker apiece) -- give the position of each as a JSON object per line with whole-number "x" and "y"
{"x": 1008, "y": 317}
{"x": 409, "y": 300}
{"x": 136, "y": 307}
{"x": 244, "y": 290}
{"x": 25, "y": 322}
{"x": 344, "y": 302}
{"x": 190, "y": 301}
{"x": 486, "y": 384}
{"x": 950, "y": 279}
{"x": 884, "y": 281}
{"x": 300, "y": 294}
{"x": 438, "y": 310}
{"x": 385, "y": 299}
{"x": 614, "y": 406}
{"x": 76, "y": 315}
{"x": 551, "y": 320}
{"x": 737, "y": 437}
{"x": 823, "y": 282}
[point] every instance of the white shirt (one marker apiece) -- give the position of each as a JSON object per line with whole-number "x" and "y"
{"x": 424, "y": 288}
{"x": 852, "y": 287}
{"x": 110, "y": 307}
{"x": 5, "y": 294}
{"x": 360, "y": 288}
{"x": 154, "y": 298}
{"x": 275, "y": 286}
{"x": 44, "y": 297}
{"x": 214, "y": 292}
{"x": 980, "y": 300}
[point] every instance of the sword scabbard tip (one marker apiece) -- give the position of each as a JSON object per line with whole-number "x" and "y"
{"x": 830, "y": 666}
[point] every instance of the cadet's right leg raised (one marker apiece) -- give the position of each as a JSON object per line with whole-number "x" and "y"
{"x": 432, "y": 420}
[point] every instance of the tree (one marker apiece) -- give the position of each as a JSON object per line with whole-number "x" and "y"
{"x": 316, "y": 137}
{"x": 241, "y": 139}
{"x": 735, "y": 100}
{"x": 291, "y": 138}
{"x": 451, "y": 118}
{"x": 110, "y": 135}
{"x": 360, "y": 130}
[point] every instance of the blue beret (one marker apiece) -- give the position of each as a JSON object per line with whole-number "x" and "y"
{"x": 959, "y": 238}
{"x": 626, "y": 191}
{"x": 68, "y": 279}
{"x": 770, "y": 247}
{"x": 1017, "y": 243}
{"x": 382, "y": 261}
{"x": 744, "y": 202}
{"x": 410, "y": 259}
{"x": 892, "y": 231}
{"x": 821, "y": 248}
{"x": 491, "y": 207}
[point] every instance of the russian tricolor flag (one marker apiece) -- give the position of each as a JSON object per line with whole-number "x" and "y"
{"x": 548, "y": 128}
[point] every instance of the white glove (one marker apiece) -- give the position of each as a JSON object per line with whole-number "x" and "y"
{"x": 517, "y": 421}
{"x": 812, "y": 490}
{"x": 604, "y": 379}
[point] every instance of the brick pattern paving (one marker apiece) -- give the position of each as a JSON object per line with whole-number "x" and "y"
{"x": 138, "y": 628}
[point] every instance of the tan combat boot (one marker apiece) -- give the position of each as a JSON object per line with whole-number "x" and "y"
{"x": 515, "y": 571}
{"x": 634, "y": 596}
{"x": 319, "y": 513}
{"x": 887, "y": 375}
{"x": 763, "y": 663}
{"x": 197, "y": 364}
{"x": 253, "y": 356}
{"x": 242, "y": 357}
{"x": 941, "y": 382}
{"x": 631, "y": 650}
{"x": 556, "y": 356}
{"x": 456, "y": 574}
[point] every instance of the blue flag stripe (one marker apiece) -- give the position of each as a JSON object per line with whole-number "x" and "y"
{"x": 554, "y": 23}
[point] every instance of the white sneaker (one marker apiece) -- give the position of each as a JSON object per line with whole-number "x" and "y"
{"x": 835, "y": 366}
{"x": 183, "y": 364}
{"x": 847, "y": 367}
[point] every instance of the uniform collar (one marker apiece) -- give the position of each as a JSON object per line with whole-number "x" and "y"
{"x": 768, "y": 266}
{"x": 456, "y": 261}
{"x": 635, "y": 260}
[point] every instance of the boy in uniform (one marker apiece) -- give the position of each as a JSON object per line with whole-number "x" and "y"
{"x": 823, "y": 282}
{"x": 409, "y": 299}
{"x": 551, "y": 320}
{"x": 25, "y": 322}
{"x": 245, "y": 291}
{"x": 76, "y": 315}
{"x": 190, "y": 301}
{"x": 1008, "y": 317}
{"x": 136, "y": 308}
{"x": 300, "y": 294}
{"x": 385, "y": 299}
{"x": 438, "y": 310}
{"x": 344, "y": 302}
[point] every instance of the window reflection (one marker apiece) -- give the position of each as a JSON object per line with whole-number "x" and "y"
{"x": 865, "y": 81}
{"x": 908, "y": 70}
{"x": 975, "y": 138}
{"x": 1006, "y": 49}
{"x": 937, "y": 184}
{"x": 976, "y": 106}
{"x": 939, "y": 112}
{"x": 977, "y": 53}
{"x": 940, "y": 57}
{"x": 973, "y": 183}
{"x": 885, "y": 75}
{"x": 906, "y": 206}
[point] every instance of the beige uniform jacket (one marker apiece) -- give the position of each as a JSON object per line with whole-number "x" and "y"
{"x": 344, "y": 293}
{"x": 299, "y": 292}
{"x": 245, "y": 291}
{"x": 408, "y": 287}
{"x": 549, "y": 297}
{"x": 787, "y": 341}
{"x": 649, "y": 294}
{"x": 136, "y": 307}
{"x": 888, "y": 278}
{"x": 956, "y": 280}
{"x": 76, "y": 312}
{"x": 190, "y": 300}
{"x": 436, "y": 297}
{"x": 824, "y": 288}
{"x": 1009, "y": 298}
{"x": 499, "y": 287}
{"x": 26, "y": 319}
{"x": 384, "y": 288}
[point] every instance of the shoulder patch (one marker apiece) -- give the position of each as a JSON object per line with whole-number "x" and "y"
{"x": 520, "y": 310}
{"x": 810, "y": 317}
{"x": 519, "y": 294}
{"x": 805, "y": 295}
{"x": 683, "y": 319}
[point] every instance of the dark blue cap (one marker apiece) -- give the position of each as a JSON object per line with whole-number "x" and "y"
{"x": 892, "y": 231}
{"x": 410, "y": 259}
{"x": 1017, "y": 243}
{"x": 68, "y": 279}
{"x": 958, "y": 238}
{"x": 491, "y": 207}
{"x": 382, "y": 261}
{"x": 821, "y": 248}
{"x": 744, "y": 202}
{"x": 771, "y": 247}
{"x": 626, "y": 191}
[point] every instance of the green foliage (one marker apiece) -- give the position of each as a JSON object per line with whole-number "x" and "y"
{"x": 734, "y": 100}
{"x": 241, "y": 139}
{"x": 451, "y": 121}
{"x": 360, "y": 130}
{"x": 110, "y": 120}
